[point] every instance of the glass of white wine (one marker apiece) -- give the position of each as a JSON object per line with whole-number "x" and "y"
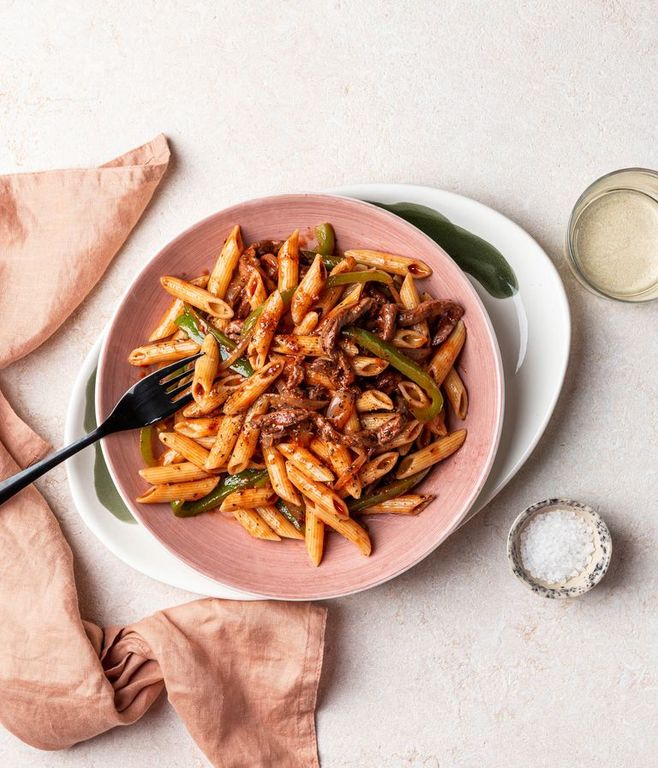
{"x": 612, "y": 239}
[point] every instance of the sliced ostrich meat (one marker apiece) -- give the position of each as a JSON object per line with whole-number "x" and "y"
{"x": 384, "y": 324}
{"x": 330, "y": 327}
{"x": 427, "y": 310}
{"x": 280, "y": 422}
{"x": 446, "y": 323}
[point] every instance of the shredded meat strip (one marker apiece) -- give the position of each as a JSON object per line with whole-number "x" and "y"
{"x": 427, "y": 310}
{"x": 330, "y": 327}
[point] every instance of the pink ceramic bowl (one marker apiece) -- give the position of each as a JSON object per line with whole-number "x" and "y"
{"x": 218, "y": 547}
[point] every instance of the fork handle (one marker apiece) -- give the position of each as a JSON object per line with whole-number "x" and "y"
{"x": 17, "y": 482}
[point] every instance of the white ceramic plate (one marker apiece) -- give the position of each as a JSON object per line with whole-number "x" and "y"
{"x": 533, "y": 330}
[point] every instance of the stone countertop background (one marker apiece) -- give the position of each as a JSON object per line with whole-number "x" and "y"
{"x": 517, "y": 104}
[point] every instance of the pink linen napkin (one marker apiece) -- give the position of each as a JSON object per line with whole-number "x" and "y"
{"x": 242, "y": 676}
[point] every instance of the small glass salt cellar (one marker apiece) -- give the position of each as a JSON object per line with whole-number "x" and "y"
{"x": 559, "y": 548}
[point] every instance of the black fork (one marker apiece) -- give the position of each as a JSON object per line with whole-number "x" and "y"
{"x": 152, "y": 399}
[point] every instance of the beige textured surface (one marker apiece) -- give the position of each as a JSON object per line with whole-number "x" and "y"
{"x": 518, "y": 104}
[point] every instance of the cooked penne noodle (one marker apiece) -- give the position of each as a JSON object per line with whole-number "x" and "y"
{"x": 217, "y": 396}
{"x": 341, "y": 407}
{"x": 278, "y": 522}
{"x": 247, "y": 441}
{"x": 173, "y": 473}
{"x": 170, "y": 457}
{"x": 205, "y": 369}
{"x": 307, "y": 325}
{"x": 227, "y": 435}
{"x": 456, "y": 393}
{"x": 253, "y": 387}
{"x": 288, "y": 259}
{"x": 376, "y": 419}
{"x": 206, "y": 442}
{"x": 264, "y": 329}
{"x": 247, "y": 498}
{"x": 353, "y": 423}
{"x": 338, "y": 457}
{"x": 304, "y": 460}
{"x": 276, "y": 469}
{"x": 254, "y": 289}
{"x": 431, "y": 454}
{"x": 163, "y": 352}
{"x": 227, "y": 261}
{"x": 413, "y": 394}
{"x": 295, "y": 344}
{"x": 308, "y": 291}
{"x": 197, "y": 297}
{"x": 408, "y": 504}
{"x": 195, "y": 428}
{"x": 409, "y": 338}
{"x": 349, "y": 347}
{"x": 192, "y": 491}
{"x": 368, "y": 366}
{"x": 378, "y": 467}
{"x": 167, "y": 325}
{"x": 407, "y": 435}
{"x": 348, "y": 528}
{"x": 438, "y": 425}
{"x": 332, "y": 296}
{"x": 321, "y": 494}
{"x": 314, "y": 537}
{"x": 373, "y": 400}
{"x": 254, "y": 524}
{"x": 410, "y": 299}
{"x": 447, "y": 353}
{"x": 186, "y": 447}
{"x": 390, "y": 262}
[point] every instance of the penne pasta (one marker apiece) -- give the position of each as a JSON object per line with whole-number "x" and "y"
{"x": 373, "y": 400}
{"x": 264, "y": 329}
{"x": 368, "y": 366}
{"x": 378, "y": 467}
{"x": 227, "y": 261}
{"x": 431, "y": 454}
{"x": 167, "y": 325}
{"x": 340, "y": 460}
{"x": 309, "y": 290}
{"x": 170, "y": 457}
{"x": 321, "y": 494}
{"x": 194, "y": 428}
{"x": 456, "y": 393}
{"x": 184, "y": 472}
{"x": 410, "y": 299}
{"x": 331, "y": 296}
{"x": 254, "y": 524}
{"x": 197, "y": 297}
{"x": 192, "y": 491}
{"x": 227, "y": 436}
{"x": 288, "y": 259}
{"x": 314, "y": 536}
{"x": 376, "y": 420}
{"x": 305, "y": 461}
{"x": 205, "y": 369}
{"x": 408, "y": 504}
{"x": 296, "y": 344}
{"x": 253, "y": 387}
{"x": 278, "y": 522}
{"x": 186, "y": 447}
{"x": 254, "y": 289}
{"x": 307, "y": 325}
{"x": 348, "y": 528}
{"x": 390, "y": 262}
{"x": 413, "y": 394}
{"x": 406, "y": 436}
{"x": 163, "y": 352}
{"x": 447, "y": 353}
{"x": 247, "y": 498}
{"x": 245, "y": 445}
{"x": 409, "y": 338}
{"x": 276, "y": 469}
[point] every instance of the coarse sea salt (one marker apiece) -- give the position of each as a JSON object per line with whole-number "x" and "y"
{"x": 556, "y": 545}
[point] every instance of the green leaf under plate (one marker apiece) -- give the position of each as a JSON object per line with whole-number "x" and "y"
{"x": 473, "y": 254}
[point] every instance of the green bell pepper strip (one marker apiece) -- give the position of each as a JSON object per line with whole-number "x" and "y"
{"x": 296, "y": 518}
{"x": 146, "y": 446}
{"x": 405, "y": 365}
{"x": 346, "y": 278}
{"x": 251, "y": 318}
{"x": 249, "y": 478}
{"x": 391, "y": 491}
{"x": 329, "y": 260}
{"x": 176, "y": 505}
{"x": 324, "y": 234}
{"x": 196, "y": 328}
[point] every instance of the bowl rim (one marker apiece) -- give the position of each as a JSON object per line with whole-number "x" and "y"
{"x": 600, "y": 568}
{"x": 401, "y": 223}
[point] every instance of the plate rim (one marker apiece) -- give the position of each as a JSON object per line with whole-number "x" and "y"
{"x": 499, "y": 375}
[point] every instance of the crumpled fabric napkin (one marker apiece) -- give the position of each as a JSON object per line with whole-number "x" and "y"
{"x": 242, "y": 676}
